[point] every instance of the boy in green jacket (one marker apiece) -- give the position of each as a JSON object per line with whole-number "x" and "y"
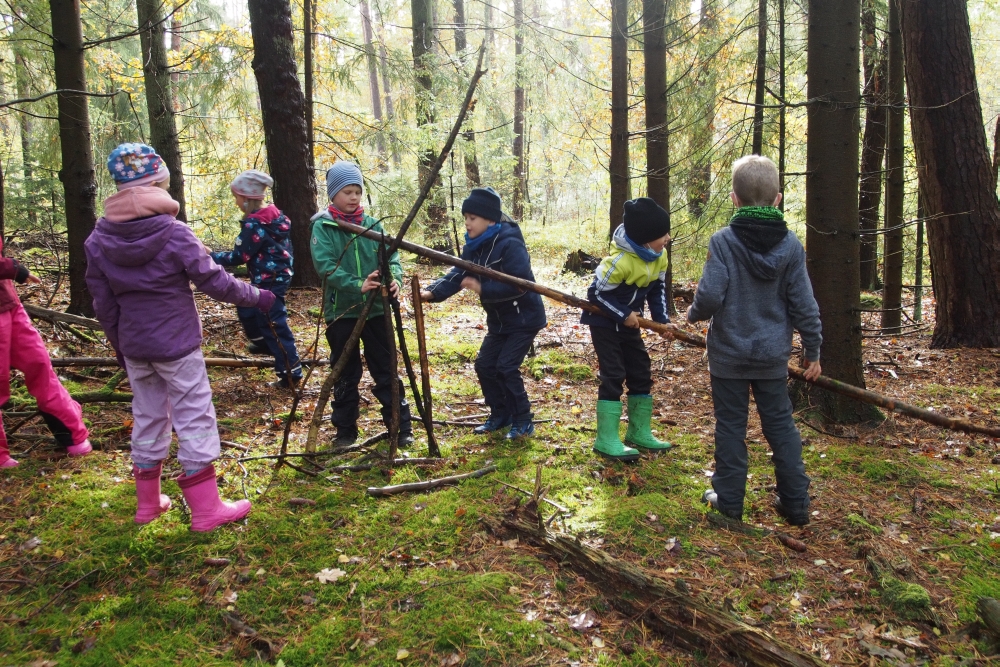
{"x": 351, "y": 266}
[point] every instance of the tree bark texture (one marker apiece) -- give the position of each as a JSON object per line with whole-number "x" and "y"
{"x": 77, "y": 173}
{"x": 390, "y": 110}
{"x": 460, "y": 41}
{"x": 619, "y": 163}
{"x": 23, "y": 84}
{"x": 833, "y": 249}
{"x": 372, "y": 58}
{"x": 517, "y": 201}
{"x": 282, "y": 108}
{"x": 160, "y": 95}
{"x": 699, "y": 181}
{"x": 874, "y": 56}
{"x": 470, "y": 159}
{"x": 758, "y": 98}
{"x": 781, "y": 94}
{"x": 422, "y": 22}
{"x": 956, "y": 178}
{"x": 892, "y": 255}
{"x": 654, "y": 48}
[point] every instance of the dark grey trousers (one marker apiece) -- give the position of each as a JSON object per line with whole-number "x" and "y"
{"x": 732, "y": 406}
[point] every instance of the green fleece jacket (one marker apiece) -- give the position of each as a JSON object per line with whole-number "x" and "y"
{"x": 346, "y": 260}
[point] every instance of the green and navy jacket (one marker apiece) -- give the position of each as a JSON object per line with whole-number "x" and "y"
{"x": 346, "y": 260}
{"x": 624, "y": 283}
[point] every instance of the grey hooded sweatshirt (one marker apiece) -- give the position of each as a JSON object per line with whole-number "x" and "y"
{"x": 754, "y": 301}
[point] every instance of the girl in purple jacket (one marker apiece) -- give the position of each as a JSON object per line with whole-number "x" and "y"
{"x": 140, "y": 263}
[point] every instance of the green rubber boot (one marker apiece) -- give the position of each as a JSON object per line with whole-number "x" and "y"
{"x": 608, "y": 444}
{"x": 640, "y": 412}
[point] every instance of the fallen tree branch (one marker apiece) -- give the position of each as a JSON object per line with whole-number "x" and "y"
{"x": 836, "y": 386}
{"x": 395, "y": 462}
{"x": 660, "y": 603}
{"x": 53, "y": 316}
{"x": 382, "y": 491}
{"x": 99, "y": 362}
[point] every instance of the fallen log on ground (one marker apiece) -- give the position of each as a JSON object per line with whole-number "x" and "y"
{"x": 661, "y": 604}
{"x": 101, "y": 362}
{"x": 427, "y": 485}
{"x": 836, "y": 386}
{"x": 53, "y": 316}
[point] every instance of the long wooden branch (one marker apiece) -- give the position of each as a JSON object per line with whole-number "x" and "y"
{"x": 426, "y": 485}
{"x": 663, "y": 605}
{"x": 49, "y": 315}
{"x": 102, "y": 362}
{"x": 836, "y": 386}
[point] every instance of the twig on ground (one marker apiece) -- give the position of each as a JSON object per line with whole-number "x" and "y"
{"x": 426, "y": 485}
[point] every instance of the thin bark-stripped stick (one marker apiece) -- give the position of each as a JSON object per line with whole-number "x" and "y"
{"x": 425, "y": 373}
{"x": 426, "y": 485}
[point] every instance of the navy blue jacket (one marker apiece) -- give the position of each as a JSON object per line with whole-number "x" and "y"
{"x": 264, "y": 245}
{"x": 508, "y": 308}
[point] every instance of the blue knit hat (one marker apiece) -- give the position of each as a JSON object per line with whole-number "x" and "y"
{"x": 484, "y": 202}
{"x": 136, "y": 164}
{"x": 342, "y": 174}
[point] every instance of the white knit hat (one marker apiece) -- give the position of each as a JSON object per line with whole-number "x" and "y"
{"x": 251, "y": 184}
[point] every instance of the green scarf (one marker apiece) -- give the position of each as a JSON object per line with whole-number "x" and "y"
{"x": 759, "y": 228}
{"x": 759, "y": 213}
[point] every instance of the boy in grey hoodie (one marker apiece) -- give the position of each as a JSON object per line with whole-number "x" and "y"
{"x": 755, "y": 290}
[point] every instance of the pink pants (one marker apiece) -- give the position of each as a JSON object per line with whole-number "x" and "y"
{"x": 22, "y": 348}
{"x": 174, "y": 393}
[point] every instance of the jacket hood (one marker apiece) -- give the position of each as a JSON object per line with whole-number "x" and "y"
{"x": 135, "y": 242}
{"x": 266, "y": 215}
{"x": 510, "y": 230}
{"x": 766, "y": 266}
{"x": 139, "y": 202}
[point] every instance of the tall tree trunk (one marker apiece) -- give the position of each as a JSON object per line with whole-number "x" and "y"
{"x": 3, "y": 224}
{"x": 282, "y": 110}
{"x": 460, "y": 42}
{"x": 832, "y": 195}
{"x": 918, "y": 263}
{"x": 23, "y": 83}
{"x": 892, "y": 292}
{"x": 309, "y": 39}
{"x": 77, "y": 173}
{"x": 758, "y": 98}
{"x": 366, "y": 27}
{"x": 946, "y": 122}
{"x": 782, "y": 102}
{"x": 175, "y": 45}
{"x": 619, "y": 164}
{"x": 874, "y": 57}
{"x": 469, "y": 158}
{"x": 654, "y": 50}
{"x": 699, "y": 181}
{"x": 159, "y": 95}
{"x": 996, "y": 154}
{"x": 517, "y": 201}
{"x": 390, "y": 110}
{"x": 422, "y": 22}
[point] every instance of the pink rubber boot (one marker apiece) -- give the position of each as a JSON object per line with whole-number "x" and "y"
{"x": 208, "y": 511}
{"x": 8, "y": 462}
{"x": 84, "y": 448}
{"x": 150, "y": 503}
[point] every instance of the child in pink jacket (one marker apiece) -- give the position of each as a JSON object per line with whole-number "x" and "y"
{"x": 141, "y": 262}
{"x": 21, "y": 347}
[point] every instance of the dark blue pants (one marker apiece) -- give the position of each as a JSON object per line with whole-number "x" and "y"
{"x": 255, "y": 325}
{"x": 623, "y": 359}
{"x": 732, "y": 407}
{"x": 346, "y": 398}
{"x": 498, "y": 366}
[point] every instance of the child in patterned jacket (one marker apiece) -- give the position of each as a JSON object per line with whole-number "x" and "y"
{"x": 265, "y": 247}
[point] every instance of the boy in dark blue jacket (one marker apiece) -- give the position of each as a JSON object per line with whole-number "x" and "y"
{"x": 623, "y": 283}
{"x": 265, "y": 246}
{"x": 513, "y": 317}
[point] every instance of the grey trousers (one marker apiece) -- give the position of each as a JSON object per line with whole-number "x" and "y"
{"x": 732, "y": 405}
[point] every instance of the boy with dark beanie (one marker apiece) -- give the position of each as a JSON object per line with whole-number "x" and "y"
{"x": 623, "y": 283}
{"x": 513, "y": 316}
{"x": 755, "y": 290}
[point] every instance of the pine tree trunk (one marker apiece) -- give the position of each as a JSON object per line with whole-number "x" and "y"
{"x": 159, "y": 95}
{"x": 758, "y": 100}
{"x": 782, "y": 101}
{"x": 517, "y": 201}
{"x": 175, "y": 45}
{"x": 23, "y": 84}
{"x": 390, "y": 110}
{"x": 460, "y": 42}
{"x": 469, "y": 158}
{"x": 77, "y": 172}
{"x": 282, "y": 108}
{"x": 619, "y": 164}
{"x": 832, "y": 196}
{"x": 873, "y": 143}
{"x": 422, "y": 22}
{"x": 366, "y": 27}
{"x": 956, "y": 180}
{"x": 654, "y": 49}
{"x": 699, "y": 181}
{"x": 892, "y": 292}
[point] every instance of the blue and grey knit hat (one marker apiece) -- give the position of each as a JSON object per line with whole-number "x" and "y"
{"x": 135, "y": 164}
{"x": 342, "y": 174}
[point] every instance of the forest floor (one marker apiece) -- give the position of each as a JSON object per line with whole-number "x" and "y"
{"x": 416, "y": 579}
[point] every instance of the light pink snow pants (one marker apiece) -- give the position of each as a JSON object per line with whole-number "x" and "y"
{"x": 22, "y": 348}
{"x": 174, "y": 393}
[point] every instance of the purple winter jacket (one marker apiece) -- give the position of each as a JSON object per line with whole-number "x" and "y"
{"x": 140, "y": 273}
